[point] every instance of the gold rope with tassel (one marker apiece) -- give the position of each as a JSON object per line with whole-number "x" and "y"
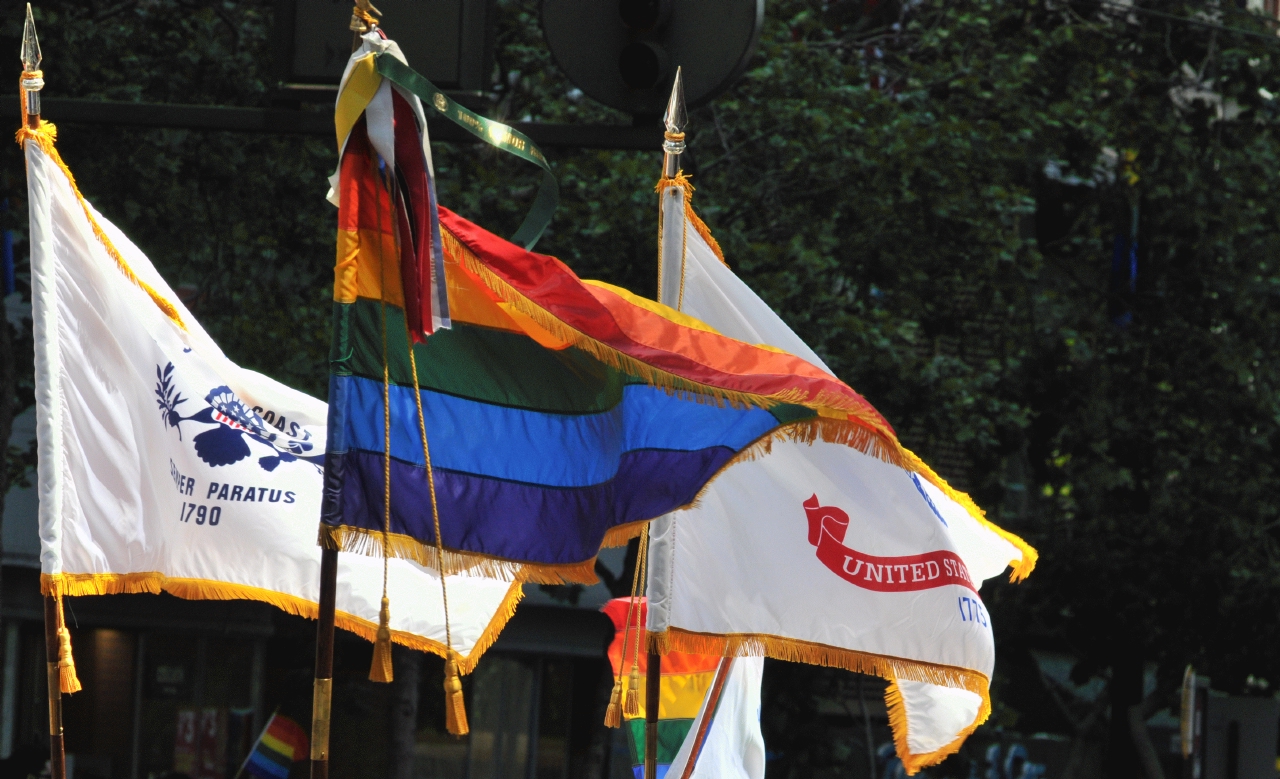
{"x": 455, "y": 709}
{"x": 632, "y": 706}
{"x": 613, "y": 714}
{"x": 68, "y": 682}
{"x": 380, "y": 669}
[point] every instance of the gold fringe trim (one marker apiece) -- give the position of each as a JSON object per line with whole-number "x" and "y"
{"x": 457, "y": 252}
{"x": 811, "y": 653}
{"x": 899, "y": 725}
{"x": 683, "y": 181}
{"x": 841, "y": 420}
{"x": 869, "y": 441}
{"x": 77, "y": 584}
{"x": 358, "y": 540}
{"x": 621, "y": 535}
{"x": 874, "y": 442}
{"x": 44, "y": 137}
{"x": 889, "y": 668}
{"x": 892, "y": 451}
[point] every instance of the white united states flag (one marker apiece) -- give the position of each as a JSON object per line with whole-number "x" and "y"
{"x": 822, "y": 554}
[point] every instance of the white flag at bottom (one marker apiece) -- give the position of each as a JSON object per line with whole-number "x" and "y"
{"x": 734, "y": 746}
{"x": 165, "y": 467}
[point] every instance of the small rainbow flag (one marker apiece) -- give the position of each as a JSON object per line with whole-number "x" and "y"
{"x": 282, "y": 743}
{"x": 686, "y": 679}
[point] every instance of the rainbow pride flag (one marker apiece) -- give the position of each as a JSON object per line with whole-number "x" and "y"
{"x": 686, "y": 680}
{"x": 282, "y": 743}
{"x": 561, "y": 414}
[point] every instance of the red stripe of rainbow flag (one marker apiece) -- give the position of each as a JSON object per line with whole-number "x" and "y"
{"x": 686, "y": 679}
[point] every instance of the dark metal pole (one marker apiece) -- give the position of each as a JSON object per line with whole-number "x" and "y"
{"x": 322, "y": 695}
{"x": 653, "y": 691}
{"x": 57, "y": 753}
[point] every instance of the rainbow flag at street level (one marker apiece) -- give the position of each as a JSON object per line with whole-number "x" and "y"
{"x": 686, "y": 680}
{"x": 282, "y": 743}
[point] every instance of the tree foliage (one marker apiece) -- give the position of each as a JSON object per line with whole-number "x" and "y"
{"x": 931, "y": 194}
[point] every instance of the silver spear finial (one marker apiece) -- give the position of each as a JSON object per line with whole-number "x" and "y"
{"x": 30, "y": 44}
{"x": 675, "y": 120}
{"x": 32, "y": 83}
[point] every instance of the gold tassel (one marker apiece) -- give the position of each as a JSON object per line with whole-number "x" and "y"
{"x": 68, "y": 682}
{"x": 455, "y": 710}
{"x": 632, "y": 708}
{"x": 67, "y": 679}
{"x": 613, "y": 714}
{"x": 381, "y": 671}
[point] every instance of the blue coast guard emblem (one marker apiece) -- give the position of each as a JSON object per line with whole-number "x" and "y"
{"x": 234, "y": 426}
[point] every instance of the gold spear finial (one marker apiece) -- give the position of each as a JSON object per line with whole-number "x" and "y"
{"x": 364, "y": 17}
{"x": 675, "y": 120}
{"x": 32, "y": 80}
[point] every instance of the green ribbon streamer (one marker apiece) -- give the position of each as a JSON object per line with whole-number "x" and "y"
{"x": 491, "y": 132}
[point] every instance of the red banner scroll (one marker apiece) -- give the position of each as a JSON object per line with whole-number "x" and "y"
{"x": 827, "y": 528}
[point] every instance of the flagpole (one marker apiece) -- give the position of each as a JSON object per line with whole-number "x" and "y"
{"x": 57, "y": 754}
{"x": 672, "y": 148}
{"x": 674, "y": 120}
{"x": 362, "y": 20}
{"x": 31, "y": 84}
{"x": 708, "y": 712}
{"x": 256, "y": 742}
{"x": 653, "y": 690}
{"x": 322, "y": 691}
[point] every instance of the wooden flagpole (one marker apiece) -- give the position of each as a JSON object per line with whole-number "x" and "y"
{"x": 653, "y": 690}
{"x": 31, "y": 84}
{"x": 57, "y": 753}
{"x": 713, "y": 700}
{"x": 322, "y": 692}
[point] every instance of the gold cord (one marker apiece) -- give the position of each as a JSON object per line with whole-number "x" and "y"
{"x": 631, "y": 603}
{"x": 631, "y": 706}
{"x": 44, "y": 136}
{"x": 380, "y": 669}
{"x": 386, "y": 402}
{"x": 431, "y": 485}
{"x": 455, "y": 712}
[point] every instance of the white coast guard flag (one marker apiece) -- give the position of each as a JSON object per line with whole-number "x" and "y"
{"x": 819, "y": 553}
{"x": 166, "y": 467}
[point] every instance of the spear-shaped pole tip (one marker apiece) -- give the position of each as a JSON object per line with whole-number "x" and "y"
{"x": 32, "y": 82}
{"x": 30, "y": 44}
{"x": 675, "y": 120}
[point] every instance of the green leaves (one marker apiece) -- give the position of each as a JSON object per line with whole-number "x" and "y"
{"x": 888, "y": 189}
